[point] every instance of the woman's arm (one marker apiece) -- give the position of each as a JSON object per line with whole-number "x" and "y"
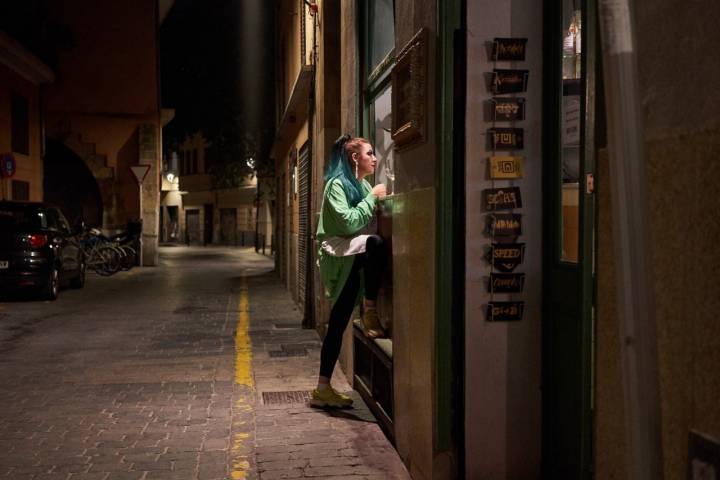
{"x": 346, "y": 219}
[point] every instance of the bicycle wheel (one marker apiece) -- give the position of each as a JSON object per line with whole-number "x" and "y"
{"x": 111, "y": 260}
{"x": 129, "y": 257}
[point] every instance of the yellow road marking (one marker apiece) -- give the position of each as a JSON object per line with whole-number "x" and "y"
{"x": 243, "y": 376}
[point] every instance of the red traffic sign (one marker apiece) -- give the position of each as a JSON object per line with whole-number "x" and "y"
{"x": 7, "y": 166}
{"x": 140, "y": 172}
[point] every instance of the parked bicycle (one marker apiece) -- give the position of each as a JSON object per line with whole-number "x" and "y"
{"x": 106, "y": 256}
{"x": 101, "y": 256}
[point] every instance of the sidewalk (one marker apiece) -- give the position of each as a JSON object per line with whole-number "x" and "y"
{"x": 291, "y": 439}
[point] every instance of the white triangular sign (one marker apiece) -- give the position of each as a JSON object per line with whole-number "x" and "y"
{"x": 140, "y": 171}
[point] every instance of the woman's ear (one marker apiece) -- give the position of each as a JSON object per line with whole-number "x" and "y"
{"x": 354, "y": 157}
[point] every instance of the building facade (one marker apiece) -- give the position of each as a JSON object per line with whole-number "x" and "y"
{"x": 504, "y": 356}
{"x": 196, "y": 211}
{"x": 22, "y": 75}
{"x": 100, "y": 117}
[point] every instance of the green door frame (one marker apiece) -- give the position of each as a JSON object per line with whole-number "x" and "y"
{"x": 568, "y": 289}
{"x": 449, "y": 419}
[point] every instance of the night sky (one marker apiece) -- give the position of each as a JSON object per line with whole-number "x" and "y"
{"x": 217, "y": 72}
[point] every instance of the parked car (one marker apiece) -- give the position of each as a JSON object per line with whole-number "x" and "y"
{"x": 38, "y": 249}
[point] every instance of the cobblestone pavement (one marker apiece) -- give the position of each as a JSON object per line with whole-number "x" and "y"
{"x": 172, "y": 372}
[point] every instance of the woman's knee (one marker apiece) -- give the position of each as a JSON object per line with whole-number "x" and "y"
{"x": 374, "y": 243}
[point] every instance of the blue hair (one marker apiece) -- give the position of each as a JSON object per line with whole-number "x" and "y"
{"x": 339, "y": 167}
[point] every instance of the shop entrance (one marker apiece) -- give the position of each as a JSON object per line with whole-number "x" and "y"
{"x": 569, "y": 221}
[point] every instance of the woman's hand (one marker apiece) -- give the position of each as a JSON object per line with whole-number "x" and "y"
{"x": 379, "y": 190}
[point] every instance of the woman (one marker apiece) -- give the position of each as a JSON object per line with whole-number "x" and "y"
{"x": 349, "y": 256}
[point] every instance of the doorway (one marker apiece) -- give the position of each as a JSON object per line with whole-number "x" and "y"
{"x": 228, "y": 226}
{"x": 569, "y": 232}
{"x": 192, "y": 227}
{"x": 208, "y": 223}
{"x": 173, "y": 225}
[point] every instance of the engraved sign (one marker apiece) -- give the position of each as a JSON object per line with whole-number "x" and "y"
{"x": 505, "y": 311}
{"x": 504, "y": 224}
{"x": 506, "y": 256}
{"x": 502, "y": 198}
{"x": 508, "y": 108}
{"x": 506, "y": 138}
{"x": 506, "y": 282}
{"x": 506, "y": 167}
{"x": 509, "y": 81}
{"x": 509, "y": 49}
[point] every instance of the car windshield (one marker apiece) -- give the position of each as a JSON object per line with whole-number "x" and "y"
{"x": 21, "y": 219}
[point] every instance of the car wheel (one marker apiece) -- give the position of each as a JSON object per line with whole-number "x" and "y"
{"x": 52, "y": 288}
{"x": 79, "y": 280}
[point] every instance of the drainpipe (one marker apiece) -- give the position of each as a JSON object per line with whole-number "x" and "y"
{"x": 636, "y": 308}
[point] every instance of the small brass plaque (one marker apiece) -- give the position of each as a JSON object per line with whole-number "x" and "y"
{"x": 506, "y": 138}
{"x": 509, "y": 81}
{"x": 506, "y": 167}
{"x": 512, "y": 49}
{"x": 504, "y": 224}
{"x": 505, "y": 311}
{"x": 506, "y": 282}
{"x": 505, "y": 257}
{"x": 508, "y": 108}
{"x": 502, "y": 198}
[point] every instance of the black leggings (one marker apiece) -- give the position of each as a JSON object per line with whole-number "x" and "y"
{"x": 372, "y": 263}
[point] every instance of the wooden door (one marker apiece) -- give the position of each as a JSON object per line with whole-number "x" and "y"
{"x": 193, "y": 235}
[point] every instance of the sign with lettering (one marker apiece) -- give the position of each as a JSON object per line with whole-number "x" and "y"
{"x": 502, "y": 198}
{"x": 508, "y": 108}
{"x": 7, "y": 165}
{"x": 506, "y": 167}
{"x": 505, "y": 311}
{"x": 509, "y": 49}
{"x": 506, "y": 138}
{"x": 504, "y": 224}
{"x": 506, "y": 282}
{"x": 505, "y": 257}
{"x": 509, "y": 81}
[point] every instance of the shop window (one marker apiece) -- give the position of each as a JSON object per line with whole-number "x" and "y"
{"x": 20, "y": 190}
{"x": 381, "y": 119}
{"x": 571, "y": 125}
{"x": 381, "y": 31}
{"x": 20, "y": 124}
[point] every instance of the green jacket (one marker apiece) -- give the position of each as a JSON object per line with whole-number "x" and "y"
{"x": 339, "y": 219}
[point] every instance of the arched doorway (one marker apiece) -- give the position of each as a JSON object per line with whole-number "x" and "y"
{"x": 70, "y": 185}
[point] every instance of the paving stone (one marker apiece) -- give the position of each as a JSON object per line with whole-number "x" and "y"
{"x": 132, "y": 378}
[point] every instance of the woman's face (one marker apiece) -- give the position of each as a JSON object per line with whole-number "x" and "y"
{"x": 365, "y": 159}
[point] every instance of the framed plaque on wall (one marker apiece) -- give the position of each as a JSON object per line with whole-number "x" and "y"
{"x": 409, "y": 83}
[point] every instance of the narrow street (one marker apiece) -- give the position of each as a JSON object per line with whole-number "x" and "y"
{"x": 169, "y": 372}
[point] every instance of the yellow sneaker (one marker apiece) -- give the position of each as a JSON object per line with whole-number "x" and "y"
{"x": 371, "y": 323}
{"x": 328, "y": 397}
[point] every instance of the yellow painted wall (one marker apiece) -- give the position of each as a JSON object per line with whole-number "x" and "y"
{"x": 29, "y": 168}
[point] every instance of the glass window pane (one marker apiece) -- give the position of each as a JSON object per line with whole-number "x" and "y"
{"x": 381, "y": 112}
{"x": 382, "y": 31}
{"x": 571, "y": 124}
